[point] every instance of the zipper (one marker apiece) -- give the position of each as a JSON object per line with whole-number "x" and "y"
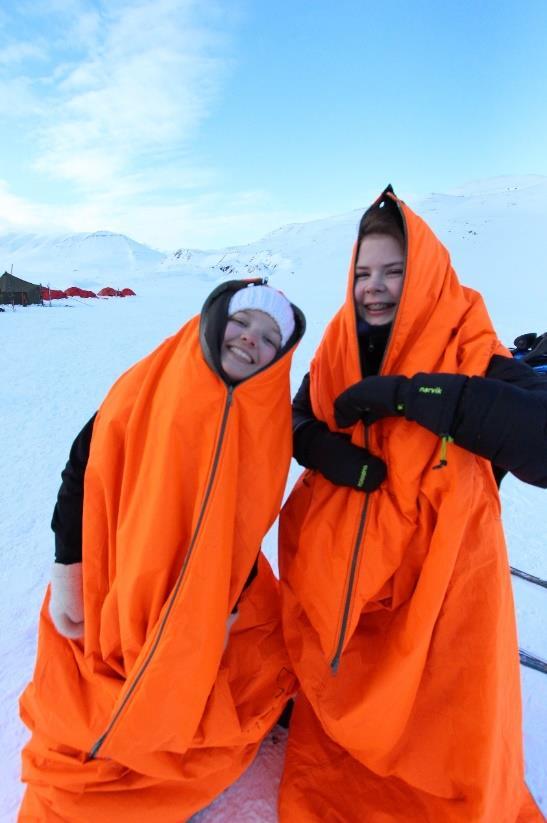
{"x": 146, "y": 662}
{"x": 335, "y": 662}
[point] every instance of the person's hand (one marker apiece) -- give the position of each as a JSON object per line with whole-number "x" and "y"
{"x": 428, "y": 399}
{"x": 66, "y": 605}
{"x": 345, "y": 464}
{"x": 370, "y": 400}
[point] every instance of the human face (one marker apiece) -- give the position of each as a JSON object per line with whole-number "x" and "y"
{"x": 378, "y": 278}
{"x": 251, "y": 341}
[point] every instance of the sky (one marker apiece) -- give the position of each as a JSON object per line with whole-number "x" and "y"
{"x": 192, "y": 124}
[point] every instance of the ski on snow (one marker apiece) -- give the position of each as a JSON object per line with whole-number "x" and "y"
{"x": 531, "y": 578}
{"x": 532, "y": 662}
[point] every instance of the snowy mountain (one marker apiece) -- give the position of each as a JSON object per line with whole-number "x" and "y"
{"x": 492, "y": 229}
{"x": 86, "y": 260}
{"x": 59, "y": 361}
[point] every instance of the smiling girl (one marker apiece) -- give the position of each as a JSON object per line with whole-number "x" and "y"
{"x": 397, "y": 604}
{"x": 161, "y": 663}
{"x": 379, "y": 275}
{"x": 253, "y": 334}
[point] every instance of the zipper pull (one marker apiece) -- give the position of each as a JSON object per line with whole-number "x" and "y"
{"x": 93, "y": 753}
{"x": 445, "y": 440}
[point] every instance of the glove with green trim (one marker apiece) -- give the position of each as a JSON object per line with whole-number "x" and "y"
{"x": 344, "y": 463}
{"x": 428, "y": 399}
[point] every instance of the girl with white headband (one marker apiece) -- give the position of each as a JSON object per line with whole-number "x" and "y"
{"x": 161, "y": 663}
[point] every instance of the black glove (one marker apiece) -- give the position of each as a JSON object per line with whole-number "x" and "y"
{"x": 429, "y": 399}
{"x": 369, "y": 400}
{"x": 344, "y": 463}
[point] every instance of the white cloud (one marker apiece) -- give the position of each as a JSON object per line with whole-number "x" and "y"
{"x": 204, "y": 221}
{"x": 20, "y": 214}
{"x": 13, "y": 53}
{"x": 19, "y": 101}
{"x": 146, "y": 85}
{"x": 113, "y": 115}
{"x": 85, "y": 29}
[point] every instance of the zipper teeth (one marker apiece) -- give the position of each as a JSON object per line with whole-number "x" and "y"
{"x": 138, "y": 677}
{"x": 335, "y": 662}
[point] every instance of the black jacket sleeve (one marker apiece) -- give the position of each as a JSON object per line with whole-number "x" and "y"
{"x": 68, "y": 512}
{"x": 305, "y": 425}
{"x": 503, "y": 417}
{"x": 333, "y": 454}
{"x": 67, "y": 515}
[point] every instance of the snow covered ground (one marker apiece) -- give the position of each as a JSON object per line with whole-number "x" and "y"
{"x": 59, "y": 361}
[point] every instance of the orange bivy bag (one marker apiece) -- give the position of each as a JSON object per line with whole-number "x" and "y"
{"x": 397, "y": 605}
{"x": 148, "y": 718}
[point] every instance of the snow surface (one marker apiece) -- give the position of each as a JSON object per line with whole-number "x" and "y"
{"x": 58, "y": 362}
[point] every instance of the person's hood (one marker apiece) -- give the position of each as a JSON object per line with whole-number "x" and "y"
{"x": 431, "y": 330}
{"x": 214, "y": 317}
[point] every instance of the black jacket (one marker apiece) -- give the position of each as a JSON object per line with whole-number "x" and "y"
{"x": 502, "y": 417}
{"x": 68, "y": 511}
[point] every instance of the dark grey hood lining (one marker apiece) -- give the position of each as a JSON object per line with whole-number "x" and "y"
{"x": 214, "y": 317}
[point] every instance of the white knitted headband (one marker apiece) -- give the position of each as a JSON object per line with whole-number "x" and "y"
{"x": 268, "y": 300}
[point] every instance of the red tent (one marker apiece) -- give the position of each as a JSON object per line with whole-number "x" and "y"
{"x": 127, "y": 293}
{"x": 76, "y": 291}
{"x": 52, "y": 294}
{"x": 108, "y": 291}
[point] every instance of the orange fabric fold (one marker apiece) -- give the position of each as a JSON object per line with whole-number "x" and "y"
{"x": 397, "y": 606}
{"x": 184, "y": 478}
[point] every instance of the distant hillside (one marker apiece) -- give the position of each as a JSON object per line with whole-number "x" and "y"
{"x": 493, "y": 229}
{"x": 87, "y": 260}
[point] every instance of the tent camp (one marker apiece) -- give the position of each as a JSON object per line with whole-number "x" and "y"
{"x": 76, "y": 291}
{"x": 52, "y": 294}
{"x": 18, "y": 292}
{"x": 108, "y": 291}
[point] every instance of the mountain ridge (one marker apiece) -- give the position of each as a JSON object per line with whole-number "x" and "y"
{"x": 472, "y": 220}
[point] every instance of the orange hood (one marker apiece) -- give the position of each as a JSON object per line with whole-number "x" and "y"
{"x": 381, "y": 584}
{"x": 440, "y": 326}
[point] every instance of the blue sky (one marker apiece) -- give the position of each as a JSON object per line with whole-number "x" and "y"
{"x": 202, "y": 124}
